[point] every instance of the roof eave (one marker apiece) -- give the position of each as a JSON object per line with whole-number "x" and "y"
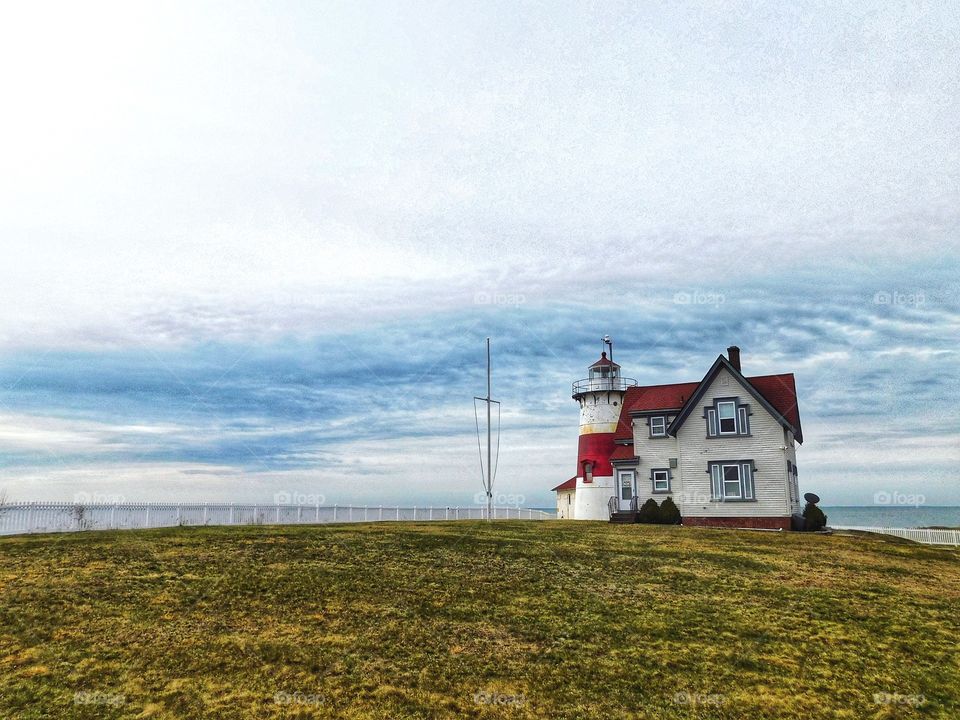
{"x": 654, "y": 411}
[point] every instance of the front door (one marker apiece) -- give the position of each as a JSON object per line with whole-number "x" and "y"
{"x": 627, "y": 488}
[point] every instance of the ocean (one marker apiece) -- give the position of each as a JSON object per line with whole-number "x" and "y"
{"x": 883, "y": 516}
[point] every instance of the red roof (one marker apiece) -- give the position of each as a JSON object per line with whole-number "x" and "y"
{"x": 781, "y": 392}
{"x": 623, "y": 452}
{"x": 568, "y": 485}
{"x": 778, "y": 390}
{"x": 651, "y": 397}
{"x": 658, "y": 397}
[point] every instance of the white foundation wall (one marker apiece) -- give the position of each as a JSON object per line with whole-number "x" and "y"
{"x": 590, "y": 500}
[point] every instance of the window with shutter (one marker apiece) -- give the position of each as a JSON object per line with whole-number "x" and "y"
{"x": 727, "y": 417}
{"x": 732, "y": 480}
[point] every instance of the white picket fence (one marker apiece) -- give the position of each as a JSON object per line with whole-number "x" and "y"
{"x": 920, "y": 535}
{"x": 38, "y": 517}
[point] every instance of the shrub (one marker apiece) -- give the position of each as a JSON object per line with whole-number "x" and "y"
{"x": 669, "y": 512}
{"x": 814, "y": 516}
{"x": 649, "y": 512}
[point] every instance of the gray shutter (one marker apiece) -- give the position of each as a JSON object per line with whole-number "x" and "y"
{"x": 715, "y": 476}
{"x": 746, "y": 477}
{"x": 743, "y": 419}
{"x": 711, "y": 422}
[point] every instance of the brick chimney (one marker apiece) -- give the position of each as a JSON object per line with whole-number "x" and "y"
{"x": 733, "y": 355}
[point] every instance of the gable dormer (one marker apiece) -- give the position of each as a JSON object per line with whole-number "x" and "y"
{"x": 728, "y": 413}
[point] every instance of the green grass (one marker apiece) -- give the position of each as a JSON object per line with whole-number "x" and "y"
{"x": 567, "y": 620}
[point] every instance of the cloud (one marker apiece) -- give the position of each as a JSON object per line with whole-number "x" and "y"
{"x": 370, "y": 409}
{"x": 257, "y": 255}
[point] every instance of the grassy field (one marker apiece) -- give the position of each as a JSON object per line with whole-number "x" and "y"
{"x": 514, "y": 620}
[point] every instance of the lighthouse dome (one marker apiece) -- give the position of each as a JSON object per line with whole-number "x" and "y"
{"x": 604, "y": 375}
{"x": 604, "y": 361}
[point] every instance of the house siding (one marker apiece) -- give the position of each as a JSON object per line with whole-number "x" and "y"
{"x": 654, "y": 453}
{"x": 762, "y": 446}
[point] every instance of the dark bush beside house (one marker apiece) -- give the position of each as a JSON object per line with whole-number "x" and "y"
{"x": 669, "y": 512}
{"x": 814, "y": 516}
{"x": 649, "y": 513}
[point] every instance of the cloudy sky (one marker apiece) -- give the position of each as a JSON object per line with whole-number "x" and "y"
{"x": 249, "y": 248}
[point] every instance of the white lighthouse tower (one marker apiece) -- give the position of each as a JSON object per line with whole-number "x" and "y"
{"x": 600, "y": 396}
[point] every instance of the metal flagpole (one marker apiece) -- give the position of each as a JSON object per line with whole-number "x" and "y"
{"x": 489, "y": 446}
{"x": 488, "y": 478}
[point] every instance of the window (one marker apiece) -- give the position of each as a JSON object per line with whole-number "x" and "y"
{"x": 732, "y": 480}
{"x": 626, "y": 486}
{"x": 727, "y": 412}
{"x": 588, "y": 472}
{"x": 727, "y": 416}
{"x": 661, "y": 480}
{"x": 658, "y": 426}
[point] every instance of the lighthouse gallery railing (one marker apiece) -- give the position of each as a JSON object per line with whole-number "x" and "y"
{"x": 602, "y": 384}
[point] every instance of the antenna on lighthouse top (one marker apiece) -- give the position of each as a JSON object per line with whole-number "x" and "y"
{"x": 608, "y": 341}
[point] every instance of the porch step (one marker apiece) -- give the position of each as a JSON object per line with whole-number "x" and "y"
{"x": 624, "y": 517}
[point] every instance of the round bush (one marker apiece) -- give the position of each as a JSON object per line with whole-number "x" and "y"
{"x": 816, "y": 520}
{"x": 649, "y": 512}
{"x": 669, "y": 512}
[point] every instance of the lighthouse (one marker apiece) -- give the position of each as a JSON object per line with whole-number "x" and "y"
{"x": 600, "y": 396}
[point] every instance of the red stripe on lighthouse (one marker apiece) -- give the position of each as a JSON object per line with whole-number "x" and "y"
{"x": 597, "y": 449}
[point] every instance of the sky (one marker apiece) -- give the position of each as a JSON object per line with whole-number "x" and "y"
{"x": 250, "y": 249}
